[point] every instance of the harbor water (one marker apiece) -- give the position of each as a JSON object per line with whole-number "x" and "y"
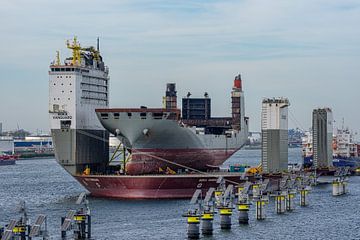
{"x": 48, "y": 189}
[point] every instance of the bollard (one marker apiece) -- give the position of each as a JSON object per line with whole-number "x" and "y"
{"x": 80, "y": 232}
{"x": 260, "y": 209}
{"x": 207, "y": 223}
{"x": 345, "y": 189}
{"x": 243, "y": 213}
{"x": 20, "y": 231}
{"x": 193, "y": 221}
{"x": 225, "y": 217}
{"x": 290, "y": 201}
{"x": 336, "y": 188}
{"x": 193, "y": 226}
{"x": 303, "y": 197}
{"x": 280, "y": 203}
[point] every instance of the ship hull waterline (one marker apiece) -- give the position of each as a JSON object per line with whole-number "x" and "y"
{"x": 177, "y": 186}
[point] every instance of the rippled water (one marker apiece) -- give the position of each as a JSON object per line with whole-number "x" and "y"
{"x": 48, "y": 189}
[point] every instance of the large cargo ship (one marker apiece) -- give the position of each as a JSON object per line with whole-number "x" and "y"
{"x": 171, "y": 152}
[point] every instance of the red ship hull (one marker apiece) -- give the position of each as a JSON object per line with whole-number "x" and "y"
{"x": 153, "y": 186}
{"x": 149, "y": 161}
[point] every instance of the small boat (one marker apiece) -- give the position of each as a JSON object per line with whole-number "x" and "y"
{"x": 7, "y": 159}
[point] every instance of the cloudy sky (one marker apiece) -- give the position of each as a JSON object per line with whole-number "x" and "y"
{"x": 306, "y": 50}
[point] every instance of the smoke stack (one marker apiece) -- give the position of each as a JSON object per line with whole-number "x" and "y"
{"x": 237, "y": 82}
{"x": 170, "y": 96}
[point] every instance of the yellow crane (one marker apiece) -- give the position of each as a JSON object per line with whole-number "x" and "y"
{"x": 76, "y": 49}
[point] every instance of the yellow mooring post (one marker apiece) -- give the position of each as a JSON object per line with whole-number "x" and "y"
{"x": 290, "y": 201}
{"x": 243, "y": 208}
{"x": 260, "y": 209}
{"x": 303, "y": 197}
{"x": 280, "y": 205}
{"x": 207, "y": 223}
{"x": 193, "y": 221}
{"x": 225, "y": 217}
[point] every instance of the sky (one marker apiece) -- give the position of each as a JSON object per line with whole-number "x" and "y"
{"x": 305, "y": 50}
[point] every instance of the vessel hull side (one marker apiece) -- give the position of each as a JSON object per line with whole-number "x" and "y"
{"x": 155, "y": 160}
{"x": 155, "y": 187}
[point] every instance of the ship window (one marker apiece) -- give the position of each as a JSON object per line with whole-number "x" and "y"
{"x": 104, "y": 115}
{"x": 158, "y": 115}
{"x": 68, "y": 98}
{"x": 129, "y": 114}
{"x": 116, "y": 115}
{"x": 62, "y": 91}
{"x": 65, "y": 124}
{"x": 71, "y": 91}
{"x": 143, "y": 115}
{"x": 54, "y": 84}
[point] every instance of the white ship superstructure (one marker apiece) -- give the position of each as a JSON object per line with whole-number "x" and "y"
{"x": 344, "y": 145}
{"x": 76, "y": 88}
{"x": 307, "y": 144}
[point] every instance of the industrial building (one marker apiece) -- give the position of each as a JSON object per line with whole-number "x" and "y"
{"x": 322, "y": 137}
{"x": 274, "y": 129}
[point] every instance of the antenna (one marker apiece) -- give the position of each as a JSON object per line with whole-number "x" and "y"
{"x": 98, "y": 44}
{"x": 58, "y": 62}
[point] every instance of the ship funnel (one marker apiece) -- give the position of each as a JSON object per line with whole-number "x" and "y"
{"x": 170, "y": 96}
{"x": 238, "y": 82}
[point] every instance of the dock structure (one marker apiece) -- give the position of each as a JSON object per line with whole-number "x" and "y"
{"x": 322, "y": 137}
{"x": 274, "y": 129}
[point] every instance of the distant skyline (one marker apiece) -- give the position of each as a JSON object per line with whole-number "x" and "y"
{"x": 307, "y": 51}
